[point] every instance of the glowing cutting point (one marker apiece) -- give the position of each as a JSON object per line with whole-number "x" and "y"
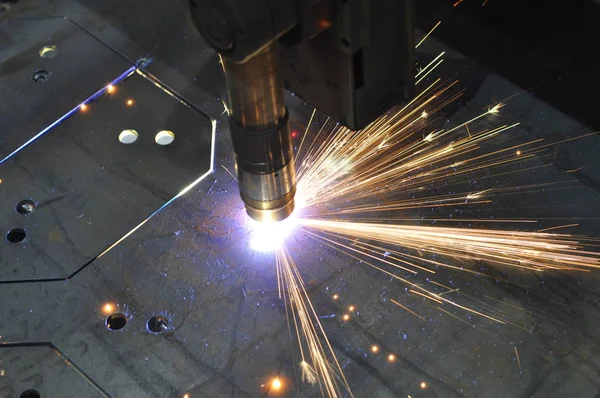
{"x": 374, "y": 349}
{"x": 269, "y": 236}
{"x": 276, "y": 384}
{"x": 391, "y": 358}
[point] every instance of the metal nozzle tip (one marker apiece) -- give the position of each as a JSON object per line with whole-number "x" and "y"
{"x": 271, "y": 215}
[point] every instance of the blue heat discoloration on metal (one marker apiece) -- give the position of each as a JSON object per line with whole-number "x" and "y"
{"x": 67, "y": 115}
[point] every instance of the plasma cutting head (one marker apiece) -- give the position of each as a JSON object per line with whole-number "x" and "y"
{"x": 261, "y": 139}
{"x": 353, "y": 60}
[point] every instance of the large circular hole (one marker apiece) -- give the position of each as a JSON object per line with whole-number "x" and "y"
{"x": 25, "y": 206}
{"x": 40, "y": 76}
{"x": 49, "y": 52}
{"x": 128, "y": 136}
{"x": 164, "y": 137}
{"x": 116, "y": 321}
{"x": 16, "y": 235}
{"x": 30, "y": 394}
{"x": 158, "y": 324}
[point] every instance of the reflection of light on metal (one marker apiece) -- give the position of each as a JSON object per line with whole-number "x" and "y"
{"x": 110, "y": 88}
{"x": 374, "y": 349}
{"x": 269, "y": 236}
{"x": 108, "y": 308}
{"x": 391, "y": 358}
{"x": 83, "y": 107}
{"x": 181, "y": 193}
{"x": 164, "y": 137}
{"x": 97, "y": 94}
{"x": 423, "y": 385}
{"x": 48, "y": 52}
{"x": 129, "y": 102}
{"x": 128, "y": 136}
{"x": 276, "y": 384}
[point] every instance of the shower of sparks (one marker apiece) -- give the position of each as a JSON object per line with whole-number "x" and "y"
{"x": 319, "y": 363}
{"x": 352, "y": 186}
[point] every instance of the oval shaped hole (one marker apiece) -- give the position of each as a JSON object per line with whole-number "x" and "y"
{"x": 49, "y": 52}
{"x": 25, "y": 206}
{"x": 16, "y": 235}
{"x": 30, "y": 394}
{"x": 158, "y": 324}
{"x": 128, "y": 136}
{"x": 116, "y": 321}
{"x": 40, "y": 76}
{"x": 164, "y": 137}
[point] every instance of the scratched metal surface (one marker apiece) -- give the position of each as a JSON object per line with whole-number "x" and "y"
{"x": 227, "y": 333}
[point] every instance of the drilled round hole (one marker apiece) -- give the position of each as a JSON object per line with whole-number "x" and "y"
{"x": 16, "y": 235}
{"x": 30, "y": 394}
{"x": 164, "y": 137}
{"x": 25, "y": 206}
{"x": 40, "y": 76}
{"x": 128, "y": 136}
{"x": 116, "y": 321}
{"x": 158, "y": 324}
{"x": 49, "y": 52}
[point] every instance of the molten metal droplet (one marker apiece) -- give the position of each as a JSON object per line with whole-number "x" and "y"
{"x": 276, "y": 384}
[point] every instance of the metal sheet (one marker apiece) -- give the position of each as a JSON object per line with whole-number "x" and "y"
{"x": 227, "y": 335}
{"x": 83, "y": 182}
{"x": 77, "y": 56}
{"x": 38, "y": 363}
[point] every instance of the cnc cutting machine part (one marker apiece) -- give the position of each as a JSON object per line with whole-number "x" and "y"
{"x": 261, "y": 140}
{"x": 351, "y": 59}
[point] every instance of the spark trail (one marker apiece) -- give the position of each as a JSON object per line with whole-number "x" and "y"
{"x": 354, "y": 189}
{"x": 317, "y": 366}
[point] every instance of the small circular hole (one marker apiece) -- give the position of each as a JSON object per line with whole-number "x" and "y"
{"x": 30, "y": 394}
{"x": 128, "y": 136}
{"x": 164, "y": 137}
{"x": 345, "y": 43}
{"x": 40, "y": 76}
{"x": 16, "y": 235}
{"x": 49, "y": 52}
{"x": 158, "y": 324}
{"x": 25, "y": 206}
{"x": 116, "y": 321}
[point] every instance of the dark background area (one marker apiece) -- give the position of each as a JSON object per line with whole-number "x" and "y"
{"x": 550, "y": 47}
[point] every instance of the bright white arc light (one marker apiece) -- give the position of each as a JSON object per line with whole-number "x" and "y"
{"x": 266, "y": 237}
